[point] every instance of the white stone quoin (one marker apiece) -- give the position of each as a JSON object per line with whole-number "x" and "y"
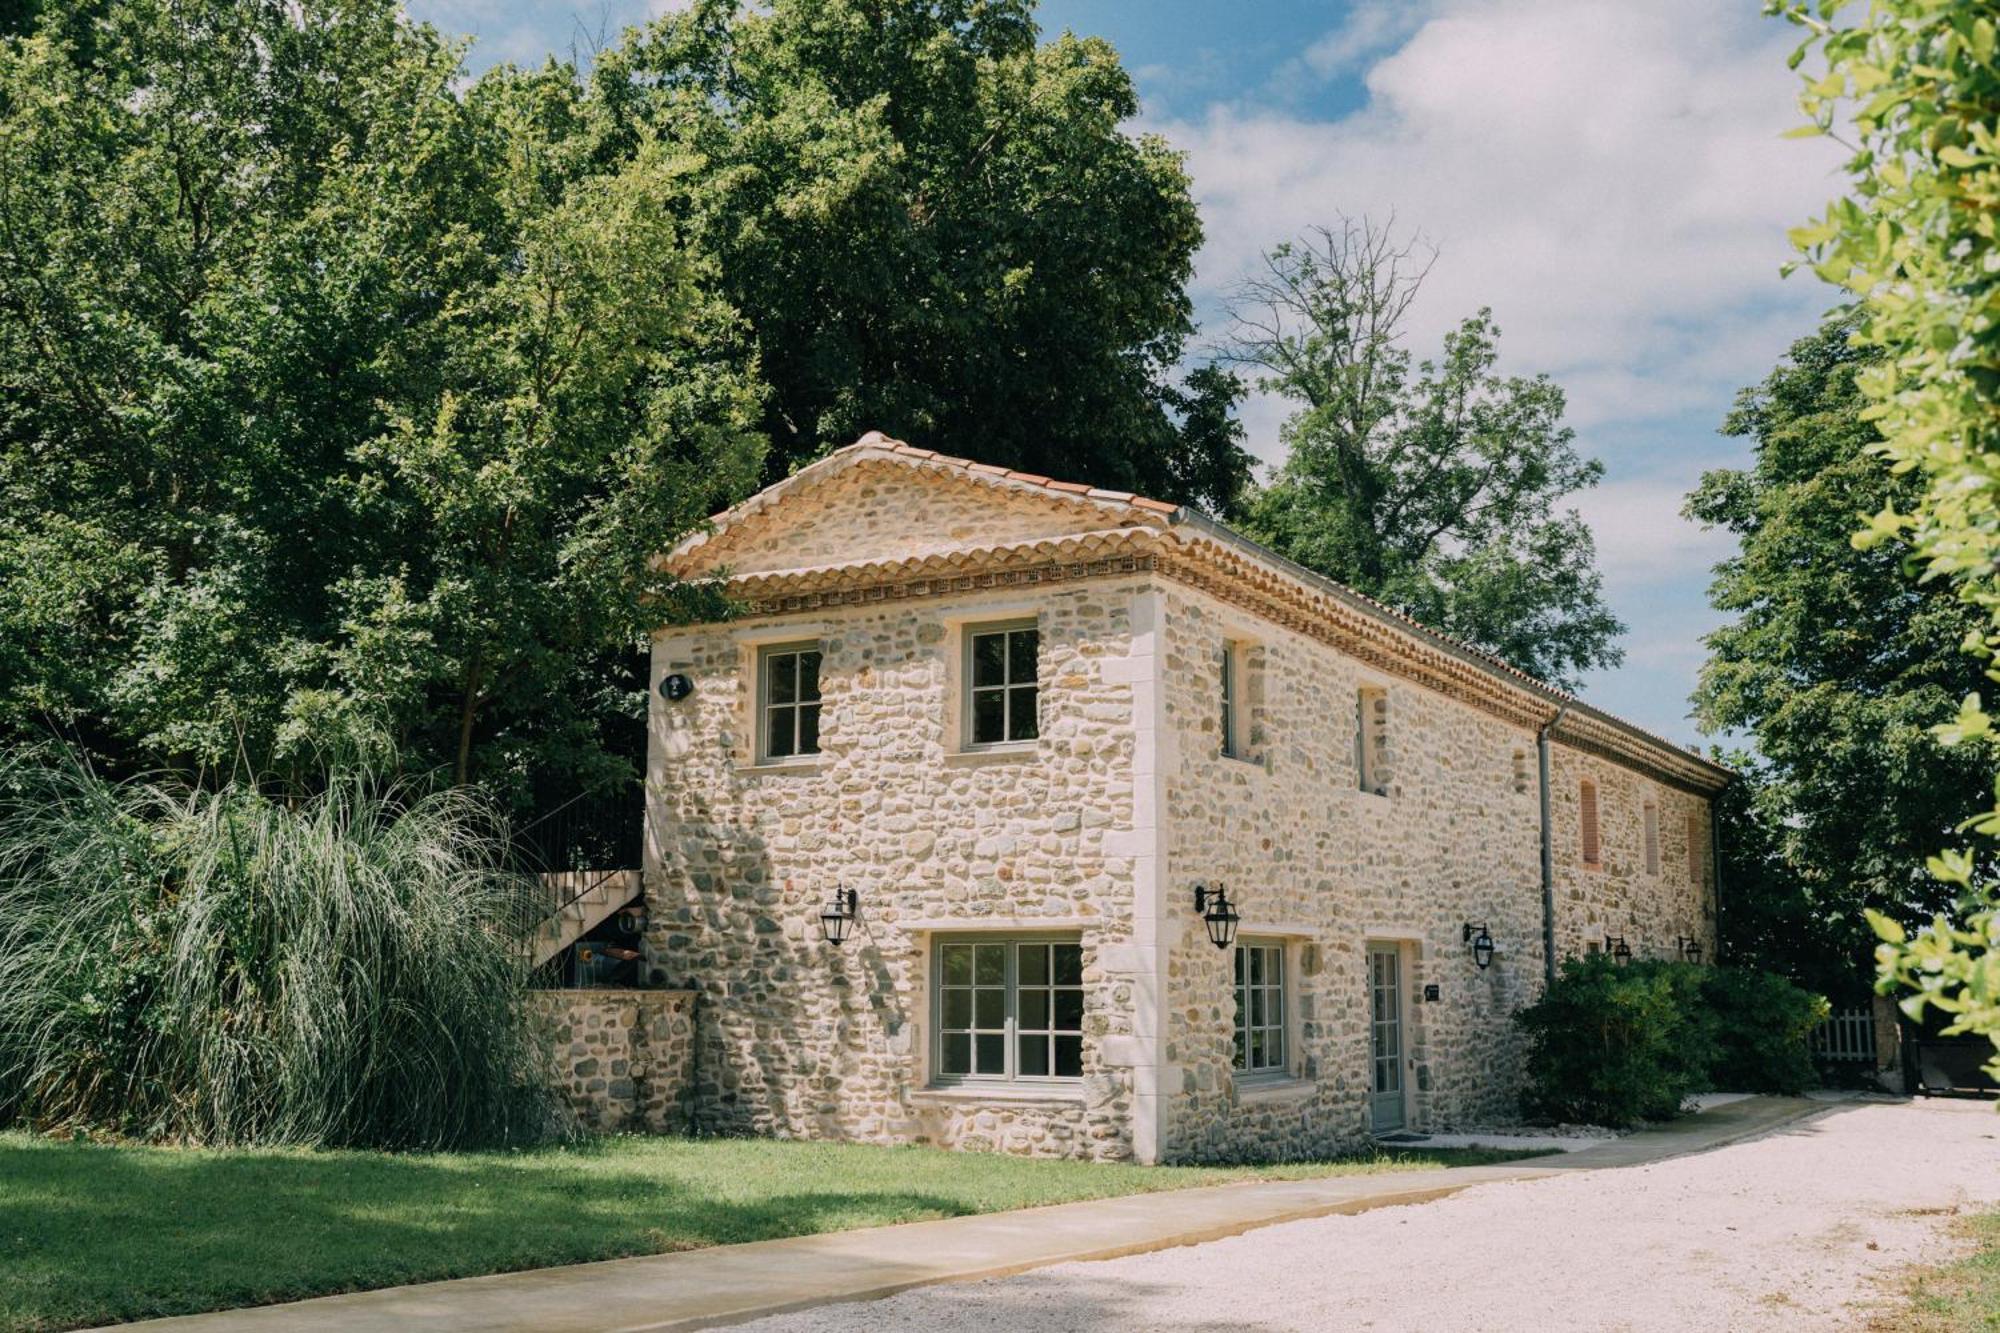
{"x": 1377, "y": 791}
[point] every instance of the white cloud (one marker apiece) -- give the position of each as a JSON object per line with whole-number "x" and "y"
{"x": 1370, "y": 28}
{"x": 1641, "y": 538}
{"x": 1609, "y": 178}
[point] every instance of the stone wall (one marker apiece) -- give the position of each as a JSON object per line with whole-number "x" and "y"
{"x": 1619, "y": 896}
{"x": 799, "y": 1039}
{"x": 1317, "y": 864}
{"x": 1098, "y": 831}
{"x": 622, "y": 1057}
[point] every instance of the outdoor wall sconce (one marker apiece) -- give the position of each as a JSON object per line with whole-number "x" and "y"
{"x": 1482, "y": 945}
{"x": 1620, "y": 951}
{"x": 1690, "y": 948}
{"x": 1217, "y": 914}
{"x": 836, "y": 919}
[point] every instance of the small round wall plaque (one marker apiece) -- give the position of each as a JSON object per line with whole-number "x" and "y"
{"x": 676, "y": 687}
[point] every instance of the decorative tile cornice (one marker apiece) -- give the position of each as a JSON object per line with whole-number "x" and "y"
{"x": 1235, "y": 577}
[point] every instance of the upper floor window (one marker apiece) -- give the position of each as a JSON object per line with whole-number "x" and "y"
{"x": 1002, "y": 690}
{"x": 788, "y": 701}
{"x": 1009, "y": 1009}
{"x": 1260, "y": 1007}
{"x": 1371, "y": 739}
{"x": 1586, "y": 805}
{"x": 1232, "y": 699}
{"x": 1651, "y": 817}
{"x": 1694, "y": 848}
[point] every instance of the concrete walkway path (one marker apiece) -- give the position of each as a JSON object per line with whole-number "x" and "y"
{"x": 731, "y": 1284}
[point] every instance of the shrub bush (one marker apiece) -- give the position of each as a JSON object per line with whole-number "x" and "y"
{"x": 1614, "y": 1044}
{"x": 1762, "y": 1028}
{"x": 1611, "y": 1044}
{"x": 223, "y": 967}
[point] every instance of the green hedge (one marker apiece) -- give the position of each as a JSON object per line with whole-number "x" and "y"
{"x": 1613, "y": 1044}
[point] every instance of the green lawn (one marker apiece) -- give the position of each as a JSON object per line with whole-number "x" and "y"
{"x": 1957, "y": 1297}
{"x": 92, "y": 1233}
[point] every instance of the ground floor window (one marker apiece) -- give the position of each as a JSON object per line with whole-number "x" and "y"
{"x": 1008, "y": 1009}
{"x": 1260, "y": 1006}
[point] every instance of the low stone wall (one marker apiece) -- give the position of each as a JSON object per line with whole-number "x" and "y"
{"x": 622, "y": 1057}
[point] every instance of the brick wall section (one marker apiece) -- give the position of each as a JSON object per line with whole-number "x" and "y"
{"x": 622, "y": 1057}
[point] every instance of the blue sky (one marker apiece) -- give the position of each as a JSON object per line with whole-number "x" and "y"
{"x": 1607, "y": 177}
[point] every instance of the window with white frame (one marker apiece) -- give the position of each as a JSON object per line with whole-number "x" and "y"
{"x": 788, "y": 701}
{"x": 1002, "y": 689}
{"x": 1260, "y": 1007}
{"x": 1232, "y": 699}
{"x": 1008, "y": 1010}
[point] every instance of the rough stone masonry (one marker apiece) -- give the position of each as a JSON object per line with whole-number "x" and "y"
{"x": 1378, "y": 793}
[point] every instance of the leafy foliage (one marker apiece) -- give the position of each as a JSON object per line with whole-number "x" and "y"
{"x": 219, "y": 967}
{"x": 340, "y": 411}
{"x": 1761, "y": 1026}
{"x": 1839, "y": 665}
{"x": 1917, "y": 84}
{"x": 936, "y": 226}
{"x": 1432, "y": 486}
{"x": 342, "y": 405}
{"x": 1614, "y": 1044}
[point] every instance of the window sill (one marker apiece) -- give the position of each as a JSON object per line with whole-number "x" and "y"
{"x": 1015, "y": 752}
{"x": 999, "y": 1094}
{"x": 780, "y": 766}
{"x": 1255, "y": 761}
{"x": 1265, "y": 1090}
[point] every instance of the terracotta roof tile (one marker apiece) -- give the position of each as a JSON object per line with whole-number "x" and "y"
{"x": 876, "y": 439}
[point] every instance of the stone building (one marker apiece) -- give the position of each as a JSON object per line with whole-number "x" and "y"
{"x": 1021, "y": 721}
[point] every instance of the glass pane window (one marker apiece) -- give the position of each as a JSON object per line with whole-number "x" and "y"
{"x": 1009, "y": 1009}
{"x": 1260, "y": 1007}
{"x": 789, "y": 701}
{"x": 1002, "y": 686}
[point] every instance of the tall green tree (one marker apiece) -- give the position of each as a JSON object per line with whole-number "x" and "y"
{"x": 1916, "y": 84}
{"x": 1434, "y": 485}
{"x": 938, "y": 226}
{"x": 340, "y": 409}
{"x": 1839, "y": 664}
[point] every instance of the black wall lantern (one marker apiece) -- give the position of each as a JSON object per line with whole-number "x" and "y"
{"x": 1690, "y": 948}
{"x": 1620, "y": 951}
{"x": 1482, "y": 945}
{"x": 1217, "y": 914}
{"x": 836, "y": 919}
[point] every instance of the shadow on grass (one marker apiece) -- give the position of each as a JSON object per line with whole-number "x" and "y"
{"x": 91, "y": 1235}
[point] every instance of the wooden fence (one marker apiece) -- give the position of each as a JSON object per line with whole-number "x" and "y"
{"x": 1847, "y": 1034}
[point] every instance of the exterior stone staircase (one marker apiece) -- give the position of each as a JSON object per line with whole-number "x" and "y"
{"x": 581, "y": 899}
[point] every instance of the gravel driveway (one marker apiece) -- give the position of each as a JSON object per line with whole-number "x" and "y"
{"x": 1803, "y": 1229}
